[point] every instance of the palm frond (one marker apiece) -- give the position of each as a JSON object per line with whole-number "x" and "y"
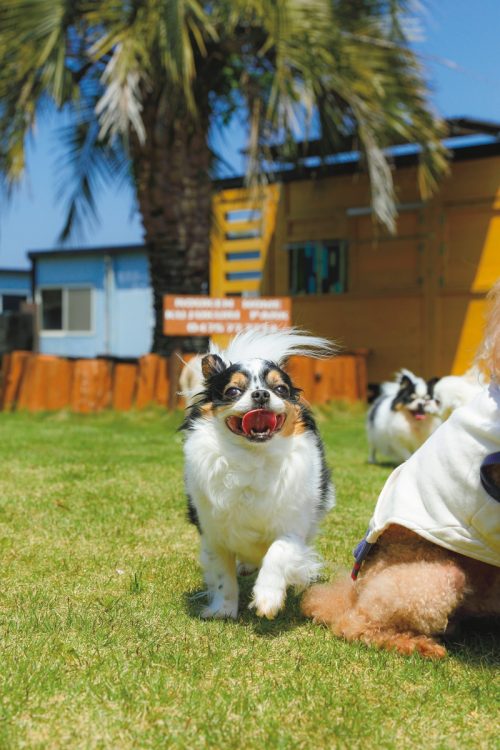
{"x": 120, "y": 107}
{"x": 91, "y": 165}
{"x": 342, "y": 65}
{"x": 357, "y": 72}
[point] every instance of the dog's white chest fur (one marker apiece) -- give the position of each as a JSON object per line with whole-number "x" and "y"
{"x": 249, "y": 495}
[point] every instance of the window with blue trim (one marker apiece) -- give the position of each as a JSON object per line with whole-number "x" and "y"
{"x": 318, "y": 267}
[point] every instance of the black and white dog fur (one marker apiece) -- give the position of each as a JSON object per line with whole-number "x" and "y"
{"x": 402, "y": 417}
{"x": 255, "y": 472}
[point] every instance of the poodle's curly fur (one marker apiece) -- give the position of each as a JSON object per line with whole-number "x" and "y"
{"x": 410, "y": 590}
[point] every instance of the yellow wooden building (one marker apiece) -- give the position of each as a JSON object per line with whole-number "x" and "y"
{"x": 415, "y": 299}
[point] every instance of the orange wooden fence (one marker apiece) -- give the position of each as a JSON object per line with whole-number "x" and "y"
{"x": 342, "y": 378}
{"x": 42, "y": 382}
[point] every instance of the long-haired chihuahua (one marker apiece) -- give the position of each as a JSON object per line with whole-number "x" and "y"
{"x": 402, "y": 417}
{"x": 255, "y": 472}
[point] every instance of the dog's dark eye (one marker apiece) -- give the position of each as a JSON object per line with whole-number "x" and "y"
{"x": 232, "y": 392}
{"x": 282, "y": 390}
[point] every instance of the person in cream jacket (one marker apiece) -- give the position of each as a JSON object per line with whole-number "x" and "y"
{"x": 432, "y": 550}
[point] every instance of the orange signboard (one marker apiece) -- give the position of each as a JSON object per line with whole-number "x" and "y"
{"x": 186, "y": 315}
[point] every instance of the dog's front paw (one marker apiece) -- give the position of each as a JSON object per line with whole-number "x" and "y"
{"x": 220, "y": 609}
{"x": 267, "y": 601}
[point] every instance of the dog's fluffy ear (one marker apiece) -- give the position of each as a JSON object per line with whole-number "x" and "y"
{"x": 405, "y": 382}
{"x": 212, "y": 364}
{"x": 430, "y": 385}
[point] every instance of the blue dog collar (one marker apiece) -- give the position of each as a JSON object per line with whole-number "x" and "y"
{"x": 360, "y": 552}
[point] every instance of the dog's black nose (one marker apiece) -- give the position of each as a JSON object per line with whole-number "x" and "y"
{"x": 260, "y": 397}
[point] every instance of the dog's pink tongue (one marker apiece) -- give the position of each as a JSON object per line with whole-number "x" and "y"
{"x": 258, "y": 420}
{"x": 420, "y": 416}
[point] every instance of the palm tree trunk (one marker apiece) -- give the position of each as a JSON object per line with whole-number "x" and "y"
{"x": 175, "y": 194}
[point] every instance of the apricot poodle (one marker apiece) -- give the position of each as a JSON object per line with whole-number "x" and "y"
{"x": 432, "y": 551}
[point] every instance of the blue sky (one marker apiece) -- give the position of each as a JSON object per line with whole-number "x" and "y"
{"x": 460, "y": 51}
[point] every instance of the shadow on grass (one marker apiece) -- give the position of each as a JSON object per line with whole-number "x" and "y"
{"x": 382, "y": 465}
{"x": 286, "y": 620}
{"x": 476, "y": 641}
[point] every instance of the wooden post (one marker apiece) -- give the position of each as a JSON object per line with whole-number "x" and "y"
{"x": 162, "y": 386}
{"x": 174, "y": 371}
{"x": 14, "y": 366}
{"x": 124, "y": 385}
{"x": 146, "y": 380}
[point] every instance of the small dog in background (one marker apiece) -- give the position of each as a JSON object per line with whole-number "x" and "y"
{"x": 191, "y": 380}
{"x": 402, "y": 417}
{"x": 452, "y": 391}
{"x": 255, "y": 472}
{"x": 432, "y": 551}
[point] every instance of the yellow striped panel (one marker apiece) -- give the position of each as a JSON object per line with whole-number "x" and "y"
{"x": 240, "y": 199}
{"x": 241, "y": 285}
{"x": 242, "y": 265}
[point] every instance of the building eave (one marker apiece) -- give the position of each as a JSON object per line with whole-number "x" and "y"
{"x": 83, "y": 251}
{"x": 15, "y": 271}
{"x": 353, "y": 166}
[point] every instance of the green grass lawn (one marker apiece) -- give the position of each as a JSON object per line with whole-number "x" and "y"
{"x": 101, "y": 646}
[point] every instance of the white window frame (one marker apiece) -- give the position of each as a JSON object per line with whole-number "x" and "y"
{"x": 64, "y": 331}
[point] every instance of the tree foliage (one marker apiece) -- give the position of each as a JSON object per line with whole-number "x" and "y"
{"x": 286, "y": 67}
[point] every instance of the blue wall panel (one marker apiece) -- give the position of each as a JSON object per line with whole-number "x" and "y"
{"x": 11, "y": 283}
{"x": 131, "y": 306}
{"x": 122, "y": 304}
{"x": 70, "y": 270}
